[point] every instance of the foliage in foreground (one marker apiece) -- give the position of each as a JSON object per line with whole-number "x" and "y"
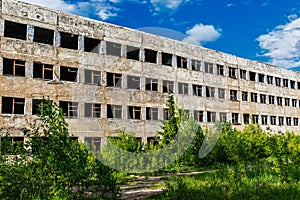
{"x": 52, "y": 165}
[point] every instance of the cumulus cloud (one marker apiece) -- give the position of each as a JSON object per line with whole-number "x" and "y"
{"x": 167, "y": 5}
{"x": 282, "y": 45}
{"x": 201, "y": 34}
{"x": 54, "y": 4}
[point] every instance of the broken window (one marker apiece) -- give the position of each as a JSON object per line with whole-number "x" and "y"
{"x": 114, "y": 111}
{"x": 220, "y": 70}
{"x": 196, "y": 65}
{"x": 280, "y": 121}
{"x": 287, "y": 101}
{"x": 168, "y": 86}
{"x": 93, "y": 143}
{"x": 152, "y": 141}
{"x": 181, "y": 62}
{"x": 166, "y": 59}
{"x": 246, "y": 118}
{"x": 114, "y": 80}
{"x": 211, "y": 116}
{"x": 296, "y": 121}
{"x": 91, "y": 45}
{"x": 166, "y": 114}
{"x": 134, "y": 112}
{"x": 221, "y": 93}
{"x": 43, "y": 35}
{"x": 285, "y": 83}
{"x": 208, "y": 67}
{"x": 273, "y": 120}
{"x": 253, "y": 97}
{"x": 13, "y": 67}
{"x": 298, "y": 85}
{"x": 252, "y": 76}
{"x": 68, "y": 40}
{"x": 243, "y": 74}
{"x": 70, "y": 109}
{"x": 277, "y": 81}
{"x": 270, "y": 79}
{"x": 293, "y": 84}
{"x": 210, "y": 91}
{"x": 197, "y": 90}
{"x": 223, "y": 117}
{"x": 150, "y": 56}
{"x": 37, "y": 106}
{"x": 42, "y": 71}
{"x": 133, "y": 82}
{"x": 12, "y": 145}
{"x": 151, "y": 84}
{"x": 133, "y": 53}
{"x": 255, "y": 119}
{"x": 271, "y": 99}
{"x": 244, "y": 96}
{"x": 289, "y": 121}
{"x": 113, "y": 49}
{"x": 12, "y": 105}
{"x": 263, "y": 98}
{"x": 279, "y": 101}
{"x": 294, "y": 102}
{"x": 198, "y": 115}
{"x": 15, "y": 30}
{"x": 264, "y": 119}
{"x": 68, "y": 73}
{"x": 261, "y": 78}
{"x": 183, "y": 88}
{"x": 92, "y": 110}
{"x": 232, "y": 72}
{"x": 92, "y": 77}
{"x": 233, "y": 95}
{"x": 151, "y": 113}
{"x": 235, "y": 118}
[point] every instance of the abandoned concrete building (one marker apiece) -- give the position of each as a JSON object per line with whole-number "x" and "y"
{"x": 106, "y": 77}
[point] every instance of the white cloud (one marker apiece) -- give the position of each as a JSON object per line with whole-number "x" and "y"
{"x": 53, "y": 4}
{"x": 229, "y": 5}
{"x": 201, "y": 33}
{"x": 282, "y": 45}
{"x": 162, "y": 5}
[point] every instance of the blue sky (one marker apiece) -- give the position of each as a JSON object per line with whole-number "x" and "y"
{"x": 264, "y": 30}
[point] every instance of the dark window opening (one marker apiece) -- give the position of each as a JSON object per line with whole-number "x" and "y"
{"x": 70, "y": 109}
{"x": 11, "y": 105}
{"x": 208, "y": 67}
{"x": 114, "y": 80}
{"x": 37, "y": 106}
{"x": 92, "y": 77}
{"x": 289, "y": 121}
{"x": 113, "y": 49}
{"x": 151, "y": 113}
{"x": 133, "y": 53}
{"x": 263, "y": 98}
{"x": 246, "y": 118}
{"x": 42, "y": 71}
{"x": 12, "y": 145}
{"x": 15, "y": 30}
{"x": 244, "y": 96}
{"x": 168, "y": 86}
{"x": 151, "y": 84}
{"x": 69, "y": 41}
{"x": 243, "y": 74}
{"x": 68, "y": 74}
{"x": 183, "y": 88}
{"x": 252, "y": 76}
{"x": 232, "y": 72}
{"x": 211, "y": 116}
{"x": 196, "y": 65}
{"x": 93, "y": 143}
{"x": 166, "y": 59}
{"x": 296, "y": 121}
{"x": 133, "y": 82}
{"x": 91, "y": 45}
{"x": 13, "y": 67}
{"x": 42, "y": 35}
{"x": 197, "y": 90}
{"x": 114, "y": 111}
{"x": 150, "y": 56}
{"x": 210, "y": 91}
{"x": 221, "y": 93}
{"x": 152, "y": 141}
{"x": 166, "y": 114}
{"x": 233, "y": 95}
{"x": 255, "y": 119}
{"x": 279, "y": 101}
{"x": 223, "y": 117}
{"x": 293, "y": 84}
{"x": 92, "y": 110}
{"x": 271, "y": 99}
{"x": 287, "y": 101}
{"x": 285, "y": 83}
{"x": 298, "y": 85}
{"x": 280, "y": 121}
{"x": 134, "y": 112}
{"x": 261, "y": 78}
{"x": 198, "y": 115}
{"x": 253, "y": 97}
{"x": 273, "y": 120}
{"x": 264, "y": 119}
{"x": 294, "y": 102}
{"x": 181, "y": 62}
{"x": 220, "y": 70}
{"x": 277, "y": 81}
{"x": 235, "y": 118}
{"x": 270, "y": 79}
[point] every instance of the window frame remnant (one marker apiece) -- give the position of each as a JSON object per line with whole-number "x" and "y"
{"x": 211, "y": 117}
{"x": 37, "y": 104}
{"x": 243, "y": 74}
{"x": 150, "y": 56}
{"x": 233, "y": 95}
{"x": 151, "y": 84}
{"x": 220, "y": 70}
{"x": 235, "y": 118}
{"x": 197, "y": 90}
{"x": 223, "y": 116}
{"x": 264, "y": 119}
{"x": 166, "y": 114}
{"x": 199, "y": 115}
{"x": 181, "y": 62}
{"x": 68, "y": 73}
{"x": 280, "y": 121}
{"x": 113, "y": 80}
{"x": 168, "y": 86}
{"x": 279, "y": 101}
{"x": 270, "y": 79}
{"x": 13, "y": 105}
{"x": 295, "y": 121}
{"x": 196, "y": 65}
{"x": 246, "y": 118}
{"x": 254, "y": 98}
{"x": 285, "y": 82}
{"x": 221, "y": 93}
{"x": 69, "y": 41}
{"x": 288, "y": 121}
{"x": 43, "y": 35}
{"x": 113, "y": 49}
{"x": 278, "y": 81}
{"x": 261, "y": 78}
{"x": 135, "y": 112}
{"x": 94, "y": 144}
{"x": 183, "y": 88}
{"x": 92, "y": 77}
{"x": 208, "y": 67}
{"x": 167, "y": 59}
{"x": 42, "y": 71}
{"x": 91, "y": 45}
{"x": 70, "y": 109}
{"x": 232, "y": 72}
{"x": 114, "y": 111}
{"x": 210, "y": 91}
{"x": 255, "y": 119}
{"x": 14, "y": 67}
{"x": 15, "y": 30}
{"x": 271, "y": 99}
{"x": 273, "y": 120}
{"x": 287, "y": 101}
{"x": 294, "y": 103}
{"x": 151, "y": 113}
{"x": 132, "y": 53}
{"x": 92, "y": 110}
{"x": 244, "y": 96}
{"x": 252, "y": 76}
{"x": 133, "y": 82}
{"x": 263, "y": 98}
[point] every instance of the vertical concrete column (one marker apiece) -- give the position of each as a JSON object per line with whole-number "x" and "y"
{"x": 124, "y": 112}
{"x": 158, "y": 58}
{"x": 1, "y": 27}
{"x": 29, "y": 69}
{"x": 28, "y": 106}
{"x": 103, "y": 48}
{"x": 81, "y": 43}
{"x": 57, "y": 38}
{"x": 30, "y": 32}
{"x": 174, "y": 61}
{"x": 142, "y": 55}
{"x": 1, "y": 65}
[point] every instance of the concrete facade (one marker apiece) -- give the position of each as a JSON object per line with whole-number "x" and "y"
{"x": 108, "y": 77}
